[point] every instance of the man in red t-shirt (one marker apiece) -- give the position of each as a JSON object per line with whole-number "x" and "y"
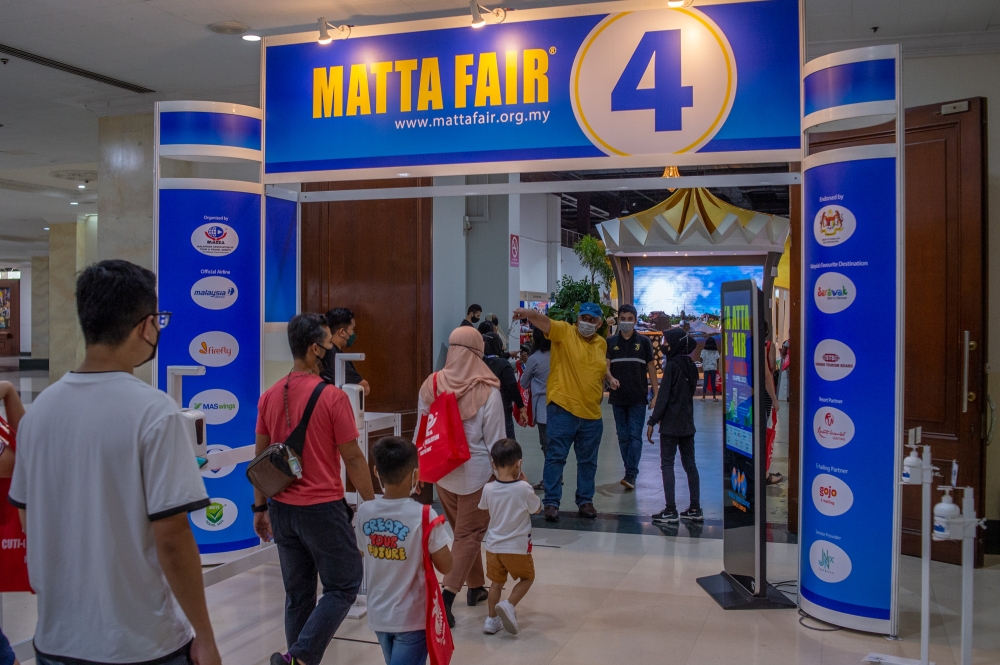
{"x": 310, "y": 521}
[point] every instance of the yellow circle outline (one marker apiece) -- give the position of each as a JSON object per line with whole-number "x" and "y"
{"x": 725, "y": 105}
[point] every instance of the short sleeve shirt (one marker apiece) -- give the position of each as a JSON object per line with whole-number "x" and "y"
{"x": 576, "y": 371}
{"x": 100, "y": 457}
{"x": 390, "y": 536}
{"x": 332, "y": 424}
{"x": 510, "y": 505}
{"x": 629, "y": 360}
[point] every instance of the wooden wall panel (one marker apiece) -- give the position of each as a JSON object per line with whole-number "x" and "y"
{"x": 375, "y": 258}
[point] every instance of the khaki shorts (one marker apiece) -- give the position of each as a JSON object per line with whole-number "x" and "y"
{"x": 518, "y": 566}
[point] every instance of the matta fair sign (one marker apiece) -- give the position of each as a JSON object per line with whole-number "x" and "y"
{"x": 606, "y": 85}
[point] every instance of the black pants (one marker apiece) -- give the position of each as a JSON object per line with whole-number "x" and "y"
{"x": 315, "y": 540}
{"x": 543, "y": 437}
{"x": 509, "y": 422}
{"x": 668, "y": 451}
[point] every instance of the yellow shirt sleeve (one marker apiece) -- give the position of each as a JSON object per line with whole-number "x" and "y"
{"x": 558, "y": 331}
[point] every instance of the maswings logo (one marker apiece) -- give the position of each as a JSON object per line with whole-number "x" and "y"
{"x": 219, "y": 406}
{"x": 214, "y": 292}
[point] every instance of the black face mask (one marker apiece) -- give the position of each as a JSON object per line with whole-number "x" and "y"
{"x": 475, "y": 319}
{"x": 328, "y": 361}
{"x": 152, "y": 354}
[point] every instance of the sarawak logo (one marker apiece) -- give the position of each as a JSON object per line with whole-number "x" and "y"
{"x": 384, "y": 538}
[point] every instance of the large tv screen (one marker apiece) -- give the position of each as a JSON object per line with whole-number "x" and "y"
{"x": 688, "y": 291}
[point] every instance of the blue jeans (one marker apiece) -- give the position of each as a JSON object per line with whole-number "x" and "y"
{"x": 180, "y": 657}
{"x": 404, "y": 648}
{"x": 564, "y": 431}
{"x": 629, "y": 421}
{"x": 6, "y": 652}
{"x": 315, "y": 540}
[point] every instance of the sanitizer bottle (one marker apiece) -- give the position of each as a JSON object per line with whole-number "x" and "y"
{"x": 912, "y": 465}
{"x": 944, "y": 513}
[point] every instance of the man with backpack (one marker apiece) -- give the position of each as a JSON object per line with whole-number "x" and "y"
{"x": 674, "y": 413}
{"x": 310, "y": 521}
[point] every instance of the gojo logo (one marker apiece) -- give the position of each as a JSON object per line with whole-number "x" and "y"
{"x": 833, "y": 428}
{"x": 831, "y": 495}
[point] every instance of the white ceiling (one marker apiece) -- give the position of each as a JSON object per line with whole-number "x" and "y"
{"x": 49, "y": 117}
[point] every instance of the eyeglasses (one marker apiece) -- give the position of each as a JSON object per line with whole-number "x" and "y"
{"x": 162, "y": 318}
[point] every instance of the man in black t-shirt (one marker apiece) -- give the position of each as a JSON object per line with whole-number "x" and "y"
{"x": 630, "y": 360}
{"x": 472, "y": 316}
{"x": 340, "y": 320}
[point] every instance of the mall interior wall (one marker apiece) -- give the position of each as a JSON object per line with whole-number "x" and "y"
{"x": 941, "y": 79}
{"x": 448, "y": 286}
{"x": 39, "y": 338}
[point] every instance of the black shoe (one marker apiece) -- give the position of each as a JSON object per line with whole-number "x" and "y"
{"x": 551, "y": 514}
{"x": 666, "y": 517}
{"x": 473, "y": 596}
{"x": 693, "y": 514}
{"x": 539, "y": 486}
{"x": 587, "y": 510}
{"x": 279, "y": 659}
{"x": 449, "y": 600}
{"x": 627, "y": 482}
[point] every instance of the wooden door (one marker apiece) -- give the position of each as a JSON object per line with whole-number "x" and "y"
{"x": 10, "y": 317}
{"x": 946, "y": 284}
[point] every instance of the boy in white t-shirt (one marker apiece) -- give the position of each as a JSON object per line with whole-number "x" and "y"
{"x": 390, "y": 536}
{"x": 510, "y": 501}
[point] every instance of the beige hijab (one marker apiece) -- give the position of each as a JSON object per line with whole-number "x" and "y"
{"x": 464, "y": 373}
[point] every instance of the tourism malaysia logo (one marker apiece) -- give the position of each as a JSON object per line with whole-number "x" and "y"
{"x": 214, "y": 349}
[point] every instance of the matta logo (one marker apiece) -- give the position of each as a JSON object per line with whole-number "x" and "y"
{"x": 833, "y": 428}
{"x": 831, "y": 495}
{"x": 834, "y": 225}
{"x": 214, "y": 349}
{"x": 214, "y": 292}
{"x": 829, "y": 562}
{"x": 219, "y": 406}
{"x": 648, "y": 60}
{"x": 215, "y": 239}
{"x": 833, "y": 360}
{"x": 834, "y": 293}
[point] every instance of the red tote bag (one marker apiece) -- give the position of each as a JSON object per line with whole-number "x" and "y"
{"x": 14, "y": 551}
{"x": 525, "y": 397}
{"x": 772, "y": 431}
{"x": 440, "y": 645}
{"x": 441, "y": 443}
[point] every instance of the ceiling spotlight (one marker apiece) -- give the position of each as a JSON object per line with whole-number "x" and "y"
{"x": 45, "y": 228}
{"x": 478, "y": 20}
{"x": 81, "y": 187}
{"x": 677, "y": 4}
{"x": 343, "y": 31}
{"x": 251, "y": 38}
{"x": 74, "y": 203}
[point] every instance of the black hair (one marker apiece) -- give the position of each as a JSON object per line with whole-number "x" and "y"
{"x": 505, "y": 453}
{"x": 492, "y": 345}
{"x": 539, "y": 342}
{"x": 304, "y": 330}
{"x": 486, "y": 327}
{"x": 711, "y": 344}
{"x": 473, "y": 308}
{"x": 627, "y": 309}
{"x": 339, "y": 317}
{"x": 526, "y": 348}
{"x": 112, "y": 298}
{"x": 395, "y": 458}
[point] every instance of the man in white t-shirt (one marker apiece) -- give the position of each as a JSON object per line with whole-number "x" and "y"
{"x": 390, "y": 536}
{"x": 105, "y": 478}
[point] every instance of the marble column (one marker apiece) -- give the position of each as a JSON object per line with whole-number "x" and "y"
{"x": 39, "y": 307}
{"x": 67, "y": 255}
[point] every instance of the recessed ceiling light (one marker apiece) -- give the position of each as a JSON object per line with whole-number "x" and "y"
{"x": 251, "y": 38}
{"x": 45, "y": 229}
{"x": 229, "y": 28}
{"x": 81, "y": 187}
{"x": 74, "y": 203}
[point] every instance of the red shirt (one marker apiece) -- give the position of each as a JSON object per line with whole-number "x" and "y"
{"x": 332, "y": 424}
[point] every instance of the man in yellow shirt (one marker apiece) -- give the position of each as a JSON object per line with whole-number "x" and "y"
{"x": 574, "y": 392}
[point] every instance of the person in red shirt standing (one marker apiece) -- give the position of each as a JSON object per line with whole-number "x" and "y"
{"x": 310, "y": 521}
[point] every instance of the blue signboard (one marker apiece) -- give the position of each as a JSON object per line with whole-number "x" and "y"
{"x": 849, "y": 391}
{"x": 651, "y": 86}
{"x": 280, "y": 259}
{"x": 209, "y": 277}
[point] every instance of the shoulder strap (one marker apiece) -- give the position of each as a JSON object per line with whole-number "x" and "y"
{"x": 297, "y": 439}
{"x": 427, "y": 524}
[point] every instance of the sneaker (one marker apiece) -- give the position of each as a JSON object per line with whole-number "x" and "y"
{"x": 666, "y": 517}
{"x": 282, "y": 659}
{"x": 627, "y": 483}
{"x": 507, "y": 614}
{"x": 551, "y": 514}
{"x": 492, "y": 625}
{"x": 473, "y": 596}
{"x": 587, "y": 510}
{"x": 449, "y": 600}
{"x": 693, "y": 514}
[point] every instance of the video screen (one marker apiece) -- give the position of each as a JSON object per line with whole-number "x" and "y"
{"x": 691, "y": 292}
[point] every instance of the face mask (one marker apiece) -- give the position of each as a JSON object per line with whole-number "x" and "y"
{"x": 475, "y": 319}
{"x": 586, "y": 329}
{"x": 325, "y": 361}
{"x": 350, "y": 340}
{"x": 152, "y": 354}
{"x": 415, "y": 483}
{"x": 626, "y": 326}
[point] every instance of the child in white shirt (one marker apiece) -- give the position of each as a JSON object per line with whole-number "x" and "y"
{"x": 390, "y": 535}
{"x": 510, "y": 501}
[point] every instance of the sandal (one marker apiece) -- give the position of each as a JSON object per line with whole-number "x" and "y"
{"x": 775, "y": 478}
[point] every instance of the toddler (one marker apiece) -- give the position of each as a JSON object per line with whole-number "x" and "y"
{"x": 510, "y": 501}
{"x": 390, "y": 536}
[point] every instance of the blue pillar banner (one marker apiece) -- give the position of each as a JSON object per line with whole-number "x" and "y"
{"x": 849, "y": 388}
{"x": 280, "y": 259}
{"x": 209, "y": 276}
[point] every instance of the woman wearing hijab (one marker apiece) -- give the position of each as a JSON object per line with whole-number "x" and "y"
{"x": 477, "y": 390}
{"x": 496, "y": 360}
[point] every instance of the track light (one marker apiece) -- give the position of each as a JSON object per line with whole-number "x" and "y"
{"x": 344, "y": 31}
{"x": 478, "y": 11}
